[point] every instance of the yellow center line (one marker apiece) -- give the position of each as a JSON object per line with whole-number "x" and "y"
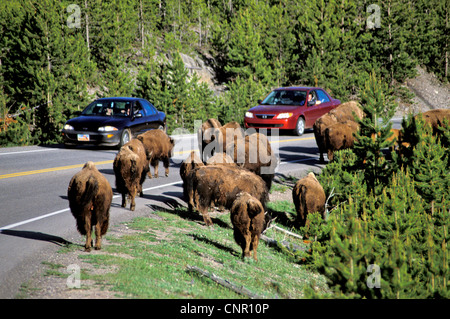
{"x": 61, "y": 168}
{"x": 52, "y": 169}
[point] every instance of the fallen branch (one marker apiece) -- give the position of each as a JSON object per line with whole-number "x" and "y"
{"x": 289, "y": 246}
{"x": 284, "y": 231}
{"x": 223, "y": 282}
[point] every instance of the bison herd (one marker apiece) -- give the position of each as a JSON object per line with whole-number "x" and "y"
{"x": 234, "y": 171}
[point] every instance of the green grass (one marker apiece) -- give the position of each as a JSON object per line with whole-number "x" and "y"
{"x": 151, "y": 262}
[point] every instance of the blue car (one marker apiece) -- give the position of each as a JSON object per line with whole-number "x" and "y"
{"x": 112, "y": 121}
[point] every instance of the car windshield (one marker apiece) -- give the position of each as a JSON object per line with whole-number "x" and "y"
{"x": 108, "y": 108}
{"x": 285, "y": 97}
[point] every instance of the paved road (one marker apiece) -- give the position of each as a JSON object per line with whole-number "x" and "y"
{"x": 34, "y": 214}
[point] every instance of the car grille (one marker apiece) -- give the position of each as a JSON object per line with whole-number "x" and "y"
{"x": 265, "y": 116}
{"x": 264, "y": 125}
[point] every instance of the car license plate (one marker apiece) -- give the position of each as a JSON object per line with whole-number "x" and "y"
{"x": 83, "y": 137}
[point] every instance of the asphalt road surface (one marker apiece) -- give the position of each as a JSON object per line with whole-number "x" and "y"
{"x": 34, "y": 216}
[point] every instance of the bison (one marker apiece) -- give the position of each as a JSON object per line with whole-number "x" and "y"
{"x": 205, "y": 135}
{"x": 188, "y": 165}
{"x": 160, "y": 146}
{"x": 435, "y": 118}
{"x": 131, "y": 165}
{"x": 219, "y": 137}
{"x": 308, "y": 197}
{"x": 343, "y": 113}
{"x": 219, "y": 184}
{"x": 247, "y": 217}
{"x": 340, "y": 136}
{"x": 90, "y": 197}
{"x": 255, "y": 154}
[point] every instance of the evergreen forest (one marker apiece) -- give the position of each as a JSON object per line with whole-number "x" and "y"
{"x": 56, "y": 56}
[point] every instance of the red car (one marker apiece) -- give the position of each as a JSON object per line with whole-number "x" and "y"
{"x": 290, "y": 108}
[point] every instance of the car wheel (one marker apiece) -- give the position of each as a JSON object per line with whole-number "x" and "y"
{"x": 125, "y": 137}
{"x": 300, "y": 127}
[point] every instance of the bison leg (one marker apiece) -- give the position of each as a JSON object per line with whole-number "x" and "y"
{"x": 248, "y": 240}
{"x": 88, "y": 229}
{"x": 124, "y": 200}
{"x": 204, "y": 211}
{"x": 132, "y": 196}
{"x": 98, "y": 236}
{"x": 330, "y": 155}
{"x": 255, "y": 242}
{"x": 155, "y": 165}
{"x": 166, "y": 165}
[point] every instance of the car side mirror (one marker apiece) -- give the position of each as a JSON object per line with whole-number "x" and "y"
{"x": 137, "y": 115}
{"x": 259, "y": 101}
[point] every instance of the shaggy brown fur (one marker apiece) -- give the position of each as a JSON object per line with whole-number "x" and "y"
{"x": 205, "y": 135}
{"x": 340, "y": 136}
{"x": 308, "y": 197}
{"x": 230, "y": 132}
{"x": 435, "y": 118}
{"x": 189, "y": 164}
{"x": 247, "y": 217}
{"x": 255, "y": 154}
{"x": 220, "y": 159}
{"x": 342, "y": 113}
{"x": 130, "y": 168}
{"x": 219, "y": 184}
{"x": 90, "y": 197}
{"x": 159, "y": 146}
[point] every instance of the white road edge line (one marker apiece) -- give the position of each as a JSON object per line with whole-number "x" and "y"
{"x": 32, "y": 151}
{"x": 68, "y": 209}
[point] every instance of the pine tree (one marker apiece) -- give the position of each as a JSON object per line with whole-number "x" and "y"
{"x": 371, "y": 139}
{"x": 244, "y": 60}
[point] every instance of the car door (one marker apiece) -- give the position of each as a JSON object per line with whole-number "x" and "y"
{"x": 326, "y": 104}
{"x": 313, "y": 109}
{"x": 153, "y": 121}
{"x": 138, "y": 119}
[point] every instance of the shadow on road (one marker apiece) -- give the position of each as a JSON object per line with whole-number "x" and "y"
{"x": 37, "y": 236}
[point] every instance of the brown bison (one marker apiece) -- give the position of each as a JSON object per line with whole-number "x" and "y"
{"x": 189, "y": 164}
{"x": 205, "y": 135}
{"x": 219, "y": 184}
{"x": 308, "y": 197}
{"x": 340, "y": 136}
{"x": 342, "y": 113}
{"x": 90, "y": 197}
{"x": 130, "y": 168}
{"x": 160, "y": 147}
{"x": 255, "y": 154}
{"x": 435, "y": 118}
{"x": 247, "y": 217}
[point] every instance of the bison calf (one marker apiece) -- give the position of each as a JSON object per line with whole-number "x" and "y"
{"x": 308, "y": 197}
{"x": 219, "y": 184}
{"x": 159, "y": 146}
{"x": 90, "y": 197}
{"x": 247, "y": 217}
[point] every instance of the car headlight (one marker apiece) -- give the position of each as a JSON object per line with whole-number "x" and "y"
{"x": 68, "y": 127}
{"x": 249, "y": 114}
{"x": 284, "y": 116}
{"x": 107, "y": 129}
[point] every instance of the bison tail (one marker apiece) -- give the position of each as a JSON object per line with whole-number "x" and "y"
{"x": 253, "y": 207}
